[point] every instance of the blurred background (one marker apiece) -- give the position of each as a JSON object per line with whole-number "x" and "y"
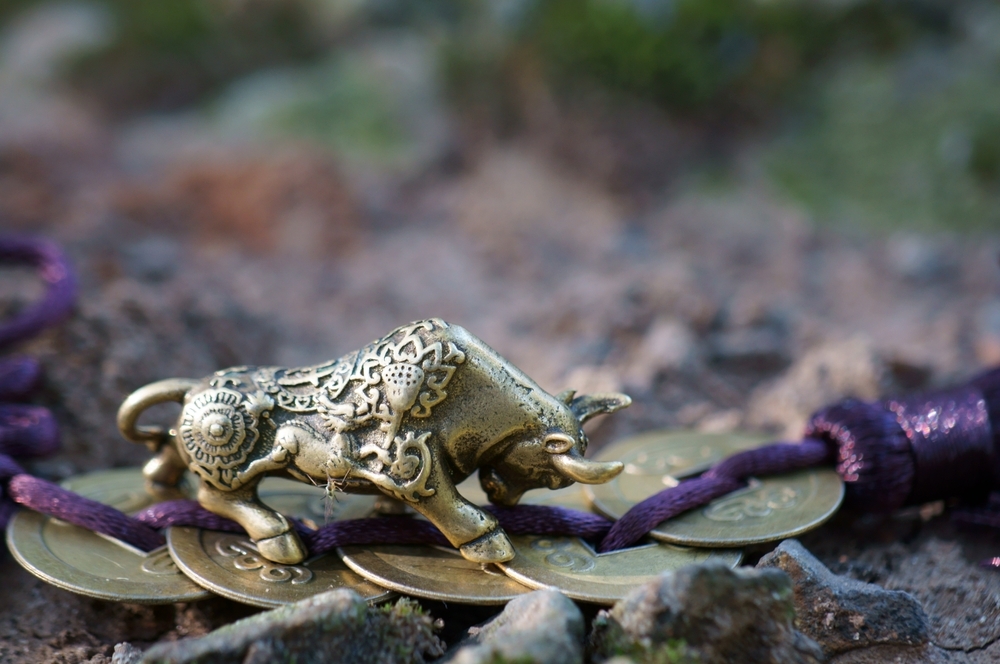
{"x": 736, "y": 210}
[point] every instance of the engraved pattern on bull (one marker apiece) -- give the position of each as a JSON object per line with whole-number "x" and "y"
{"x": 409, "y": 415}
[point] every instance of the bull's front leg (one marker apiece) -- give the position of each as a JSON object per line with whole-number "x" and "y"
{"x": 270, "y": 531}
{"x": 475, "y": 533}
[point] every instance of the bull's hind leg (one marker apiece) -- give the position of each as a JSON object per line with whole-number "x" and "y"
{"x": 270, "y": 531}
{"x": 164, "y": 472}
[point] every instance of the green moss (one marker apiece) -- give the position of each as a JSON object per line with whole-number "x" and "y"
{"x": 691, "y": 54}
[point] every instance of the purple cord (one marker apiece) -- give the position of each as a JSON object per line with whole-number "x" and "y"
{"x": 899, "y": 452}
{"x": 60, "y": 293}
{"x": 29, "y": 431}
{"x": 726, "y": 476}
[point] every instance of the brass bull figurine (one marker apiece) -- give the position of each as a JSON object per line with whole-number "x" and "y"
{"x": 410, "y": 415}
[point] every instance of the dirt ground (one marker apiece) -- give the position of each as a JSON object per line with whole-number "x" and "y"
{"x": 196, "y": 254}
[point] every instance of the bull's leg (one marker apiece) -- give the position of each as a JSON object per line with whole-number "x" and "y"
{"x": 164, "y": 472}
{"x": 270, "y": 531}
{"x": 475, "y": 533}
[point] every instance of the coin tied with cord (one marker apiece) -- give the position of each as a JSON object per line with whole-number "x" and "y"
{"x": 410, "y": 416}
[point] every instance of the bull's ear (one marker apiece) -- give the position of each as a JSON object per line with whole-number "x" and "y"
{"x": 566, "y": 396}
{"x": 590, "y": 405}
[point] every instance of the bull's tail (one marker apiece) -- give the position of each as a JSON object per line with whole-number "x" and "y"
{"x": 171, "y": 389}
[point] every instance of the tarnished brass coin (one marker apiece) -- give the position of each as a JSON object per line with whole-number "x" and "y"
{"x": 230, "y": 565}
{"x": 435, "y": 572}
{"x": 81, "y": 561}
{"x": 768, "y": 509}
{"x": 571, "y": 566}
{"x": 432, "y": 572}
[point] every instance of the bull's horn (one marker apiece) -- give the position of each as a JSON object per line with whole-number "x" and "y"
{"x": 566, "y": 396}
{"x": 586, "y": 471}
{"x": 589, "y": 405}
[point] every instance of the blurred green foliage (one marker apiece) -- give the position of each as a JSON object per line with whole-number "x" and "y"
{"x": 171, "y": 53}
{"x": 911, "y": 141}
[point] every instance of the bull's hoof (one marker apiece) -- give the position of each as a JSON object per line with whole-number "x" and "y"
{"x": 286, "y": 549}
{"x": 493, "y": 547}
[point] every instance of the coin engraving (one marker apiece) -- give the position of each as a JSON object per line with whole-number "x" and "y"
{"x": 246, "y": 558}
{"x": 571, "y": 564}
{"x": 769, "y": 508}
{"x": 159, "y": 562}
{"x": 753, "y": 503}
{"x": 559, "y": 553}
{"x": 231, "y": 565}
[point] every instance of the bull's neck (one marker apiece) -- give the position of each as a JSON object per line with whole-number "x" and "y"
{"x": 490, "y": 405}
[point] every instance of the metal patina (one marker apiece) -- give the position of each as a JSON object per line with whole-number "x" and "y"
{"x": 572, "y": 566}
{"x": 766, "y": 510}
{"x": 230, "y": 565}
{"x": 410, "y": 415}
{"x": 436, "y": 572}
{"x": 81, "y": 561}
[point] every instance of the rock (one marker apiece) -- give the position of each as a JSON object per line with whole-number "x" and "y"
{"x": 543, "y": 626}
{"x": 126, "y": 653}
{"x": 824, "y": 375}
{"x": 708, "y": 614}
{"x": 962, "y": 600}
{"x": 926, "y": 654}
{"x": 762, "y": 348}
{"x": 668, "y": 345}
{"x": 333, "y": 626}
{"x": 841, "y": 613}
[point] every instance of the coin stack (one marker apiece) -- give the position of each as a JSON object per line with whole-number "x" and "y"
{"x": 196, "y": 562}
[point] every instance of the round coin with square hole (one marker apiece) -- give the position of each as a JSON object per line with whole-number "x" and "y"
{"x": 84, "y": 562}
{"x": 574, "y": 568}
{"x": 230, "y": 565}
{"x": 768, "y": 509}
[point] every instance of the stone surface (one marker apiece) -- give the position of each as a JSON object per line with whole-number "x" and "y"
{"x": 823, "y": 375}
{"x": 542, "y": 627}
{"x": 333, "y": 626}
{"x": 126, "y": 653}
{"x": 927, "y": 654}
{"x": 841, "y": 613}
{"x": 710, "y": 614}
{"x": 962, "y": 600}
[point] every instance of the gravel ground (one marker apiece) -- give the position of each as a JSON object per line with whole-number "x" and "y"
{"x": 196, "y": 253}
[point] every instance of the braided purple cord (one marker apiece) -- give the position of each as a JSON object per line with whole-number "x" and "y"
{"x": 27, "y": 431}
{"x": 52, "y": 499}
{"x": 60, "y": 293}
{"x": 550, "y": 520}
{"x": 19, "y": 376}
{"x": 378, "y": 530}
{"x": 873, "y": 453}
{"x": 951, "y": 441}
{"x": 520, "y": 520}
{"x": 724, "y": 477}
{"x": 184, "y": 513}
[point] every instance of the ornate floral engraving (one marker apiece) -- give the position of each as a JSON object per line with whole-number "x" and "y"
{"x": 218, "y": 429}
{"x": 244, "y": 556}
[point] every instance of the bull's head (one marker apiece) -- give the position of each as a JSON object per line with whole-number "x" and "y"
{"x": 552, "y": 458}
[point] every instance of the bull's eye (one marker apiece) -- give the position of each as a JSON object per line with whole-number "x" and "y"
{"x": 558, "y": 443}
